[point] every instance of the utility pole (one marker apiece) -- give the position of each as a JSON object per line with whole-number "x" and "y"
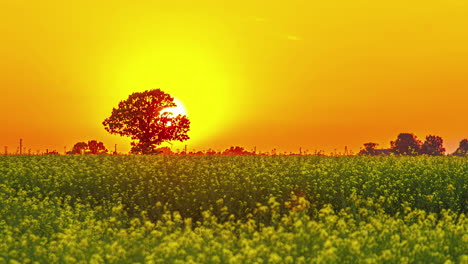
{"x": 185, "y": 149}
{"x": 115, "y": 149}
{"x": 6, "y": 150}
{"x": 21, "y": 146}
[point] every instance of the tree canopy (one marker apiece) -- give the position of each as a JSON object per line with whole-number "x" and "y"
{"x": 433, "y": 146}
{"x": 406, "y": 144}
{"x": 141, "y": 117}
{"x": 369, "y": 149}
{"x": 462, "y": 149}
{"x": 96, "y": 147}
{"x": 92, "y": 147}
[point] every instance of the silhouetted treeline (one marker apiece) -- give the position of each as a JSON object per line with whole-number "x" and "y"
{"x": 408, "y": 144}
{"x": 405, "y": 144}
{"x": 92, "y": 147}
{"x": 232, "y": 151}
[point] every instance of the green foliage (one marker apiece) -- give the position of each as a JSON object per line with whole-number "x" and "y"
{"x": 233, "y": 209}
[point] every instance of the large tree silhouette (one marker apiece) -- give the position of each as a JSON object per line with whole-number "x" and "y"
{"x": 433, "y": 146}
{"x": 141, "y": 118}
{"x": 406, "y": 144}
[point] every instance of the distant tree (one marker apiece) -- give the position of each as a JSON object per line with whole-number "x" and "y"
{"x": 369, "y": 149}
{"x": 165, "y": 151}
{"x": 433, "y": 146}
{"x": 92, "y": 147}
{"x": 142, "y": 118}
{"x": 464, "y": 145}
{"x": 79, "y": 148}
{"x": 462, "y": 149}
{"x": 406, "y": 144}
{"x": 236, "y": 151}
{"x": 210, "y": 152}
{"x": 96, "y": 147}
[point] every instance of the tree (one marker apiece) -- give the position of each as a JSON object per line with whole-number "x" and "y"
{"x": 433, "y": 146}
{"x": 95, "y": 147}
{"x": 165, "y": 151}
{"x": 79, "y": 148}
{"x": 142, "y": 118}
{"x": 236, "y": 151}
{"x": 92, "y": 147}
{"x": 406, "y": 144}
{"x": 462, "y": 149}
{"x": 369, "y": 149}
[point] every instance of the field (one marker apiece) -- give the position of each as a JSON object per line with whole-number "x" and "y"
{"x": 233, "y": 209}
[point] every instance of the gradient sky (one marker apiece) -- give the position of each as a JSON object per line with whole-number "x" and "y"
{"x": 319, "y": 75}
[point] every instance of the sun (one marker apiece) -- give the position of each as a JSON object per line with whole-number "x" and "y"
{"x": 175, "y": 111}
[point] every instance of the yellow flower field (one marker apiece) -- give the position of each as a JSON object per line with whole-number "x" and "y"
{"x": 239, "y": 209}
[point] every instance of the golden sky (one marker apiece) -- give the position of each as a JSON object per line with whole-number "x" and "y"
{"x": 272, "y": 74}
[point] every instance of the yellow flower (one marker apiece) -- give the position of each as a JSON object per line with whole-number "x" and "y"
{"x": 215, "y": 259}
{"x": 274, "y": 258}
{"x": 117, "y": 209}
{"x": 96, "y": 259}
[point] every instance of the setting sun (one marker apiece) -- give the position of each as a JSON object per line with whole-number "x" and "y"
{"x": 178, "y": 110}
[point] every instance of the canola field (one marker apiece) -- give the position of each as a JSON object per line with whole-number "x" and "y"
{"x": 233, "y": 209}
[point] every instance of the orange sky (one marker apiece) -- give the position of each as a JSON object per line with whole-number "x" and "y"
{"x": 270, "y": 74}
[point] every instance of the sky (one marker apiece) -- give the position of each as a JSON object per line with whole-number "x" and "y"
{"x": 315, "y": 75}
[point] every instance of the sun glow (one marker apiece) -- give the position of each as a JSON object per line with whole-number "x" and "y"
{"x": 178, "y": 110}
